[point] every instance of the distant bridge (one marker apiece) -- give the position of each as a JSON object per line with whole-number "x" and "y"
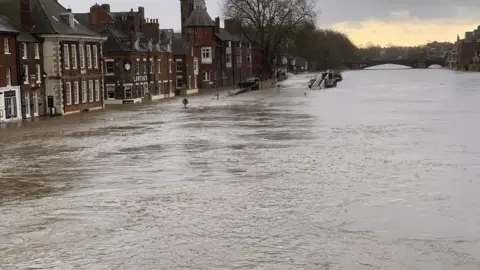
{"x": 361, "y": 64}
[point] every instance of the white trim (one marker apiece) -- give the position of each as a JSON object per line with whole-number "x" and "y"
{"x": 73, "y": 37}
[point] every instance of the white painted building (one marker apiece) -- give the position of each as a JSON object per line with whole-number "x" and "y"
{"x": 10, "y": 103}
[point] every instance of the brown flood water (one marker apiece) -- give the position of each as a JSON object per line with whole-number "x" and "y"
{"x": 381, "y": 173}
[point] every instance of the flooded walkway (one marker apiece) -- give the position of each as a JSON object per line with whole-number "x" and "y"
{"x": 380, "y": 173}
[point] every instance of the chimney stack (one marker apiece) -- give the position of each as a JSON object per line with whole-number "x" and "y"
{"x": 25, "y": 15}
{"x": 217, "y": 24}
{"x": 106, "y": 7}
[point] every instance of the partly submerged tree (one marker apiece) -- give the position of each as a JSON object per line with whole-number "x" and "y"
{"x": 270, "y": 23}
{"x": 322, "y": 48}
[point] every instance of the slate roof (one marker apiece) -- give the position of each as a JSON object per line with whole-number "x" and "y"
{"x": 23, "y": 36}
{"x": 6, "y": 27}
{"x": 119, "y": 41}
{"x": 224, "y": 35}
{"x": 82, "y": 18}
{"x": 113, "y": 43}
{"x": 199, "y": 17}
{"x": 179, "y": 46}
{"x": 48, "y": 18}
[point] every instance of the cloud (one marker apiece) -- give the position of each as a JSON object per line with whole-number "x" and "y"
{"x": 404, "y": 33}
{"x": 387, "y": 10}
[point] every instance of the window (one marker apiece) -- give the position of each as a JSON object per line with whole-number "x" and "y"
{"x": 25, "y": 74}
{"x": 151, "y": 66}
{"x": 239, "y": 44}
{"x": 159, "y": 66}
{"x": 206, "y": 55}
{"x": 24, "y": 50}
{"x": 109, "y": 67}
{"x": 179, "y": 82}
{"x": 138, "y": 66}
{"x": 195, "y": 66}
{"x": 66, "y": 56}
{"x": 128, "y": 91}
{"x": 39, "y": 78}
{"x": 239, "y": 59}
{"x": 68, "y": 93}
{"x": 111, "y": 91}
{"x": 169, "y": 65}
{"x": 74, "y": 56}
{"x": 249, "y": 58}
{"x": 249, "y": 45}
{"x": 97, "y": 90}
{"x": 36, "y": 50}
{"x": 144, "y": 66}
{"x": 81, "y": 54}
{"x": 89, "y": 56}
{"x": 206, "y": 76}
{"x": 90, "y": 91}
{"x": 179, "y": 65}
{"x": 84, "y": 91}
{"x": 35, "y": 103}
{"x": 228, "y": 60}
{"x": 6, "y": 45}
{"x": 27, "y": 104}
{"x": 195, "y": 81}
{"x": 76, "y": 97}
{"x": 71, "y": 20}
{"x": 95, "y": 56}
{"x": 8, "y": 76}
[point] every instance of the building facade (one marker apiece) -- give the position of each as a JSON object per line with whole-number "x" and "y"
{"x": 10, "y": 96}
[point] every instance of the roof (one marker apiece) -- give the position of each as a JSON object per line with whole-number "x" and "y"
{"x": 224, "y": 35}
{"x": 199, "y": 17}
{"x": 82, "y": 17}
{"x": 179, "y": 46}
{"x": 113, "y": 43}
{"x": 6, "y": 27}
{"x": 50, "y": 17}
{"x": 23, "y": 36}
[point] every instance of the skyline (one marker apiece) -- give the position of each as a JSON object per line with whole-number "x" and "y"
{"x": 374, "y": 21}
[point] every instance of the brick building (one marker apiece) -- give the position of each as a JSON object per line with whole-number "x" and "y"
{"x": 153, "y": 56}
{"x": 72, "y": 55}
{"x": 225, "y": 54}
{"x": 29, "y": 68}
{"x": 10, "y": 97}
{"x": 467, "y": 50}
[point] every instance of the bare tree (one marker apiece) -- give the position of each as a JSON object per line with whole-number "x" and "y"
{"x": 270, "y": 24}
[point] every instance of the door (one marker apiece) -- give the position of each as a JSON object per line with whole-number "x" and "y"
{"x": 10, "y": 107}
{"x": 35, "y": 103}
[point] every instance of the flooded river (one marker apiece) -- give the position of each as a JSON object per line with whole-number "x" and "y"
{"x": 381, "y": 173}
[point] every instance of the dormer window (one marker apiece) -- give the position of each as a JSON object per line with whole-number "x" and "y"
{"x": 136, "y": 45}
{"x": 71, "y": 20}
{"x": 150, "y": 45}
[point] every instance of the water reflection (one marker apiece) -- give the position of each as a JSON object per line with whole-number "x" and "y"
{"x": 372, "y": 174}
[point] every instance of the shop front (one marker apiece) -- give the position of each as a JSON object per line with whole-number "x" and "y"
{"x": 10, "y": 104}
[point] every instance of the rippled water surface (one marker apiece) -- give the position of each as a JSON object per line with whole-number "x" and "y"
{"x": 381, "y": 173}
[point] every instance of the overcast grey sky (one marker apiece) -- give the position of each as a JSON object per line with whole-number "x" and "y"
{"x": 370, "y": 20}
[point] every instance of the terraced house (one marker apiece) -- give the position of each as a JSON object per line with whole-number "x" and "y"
{"x": 29, "y": 68}
{"x": 72, "y": 56}
{"x": 140, "y": 62}
{"x": 10, "y": 104}
{"x": 225, "y": 55}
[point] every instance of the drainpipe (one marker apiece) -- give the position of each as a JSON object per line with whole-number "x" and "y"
{"x": 19, "y": 70}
